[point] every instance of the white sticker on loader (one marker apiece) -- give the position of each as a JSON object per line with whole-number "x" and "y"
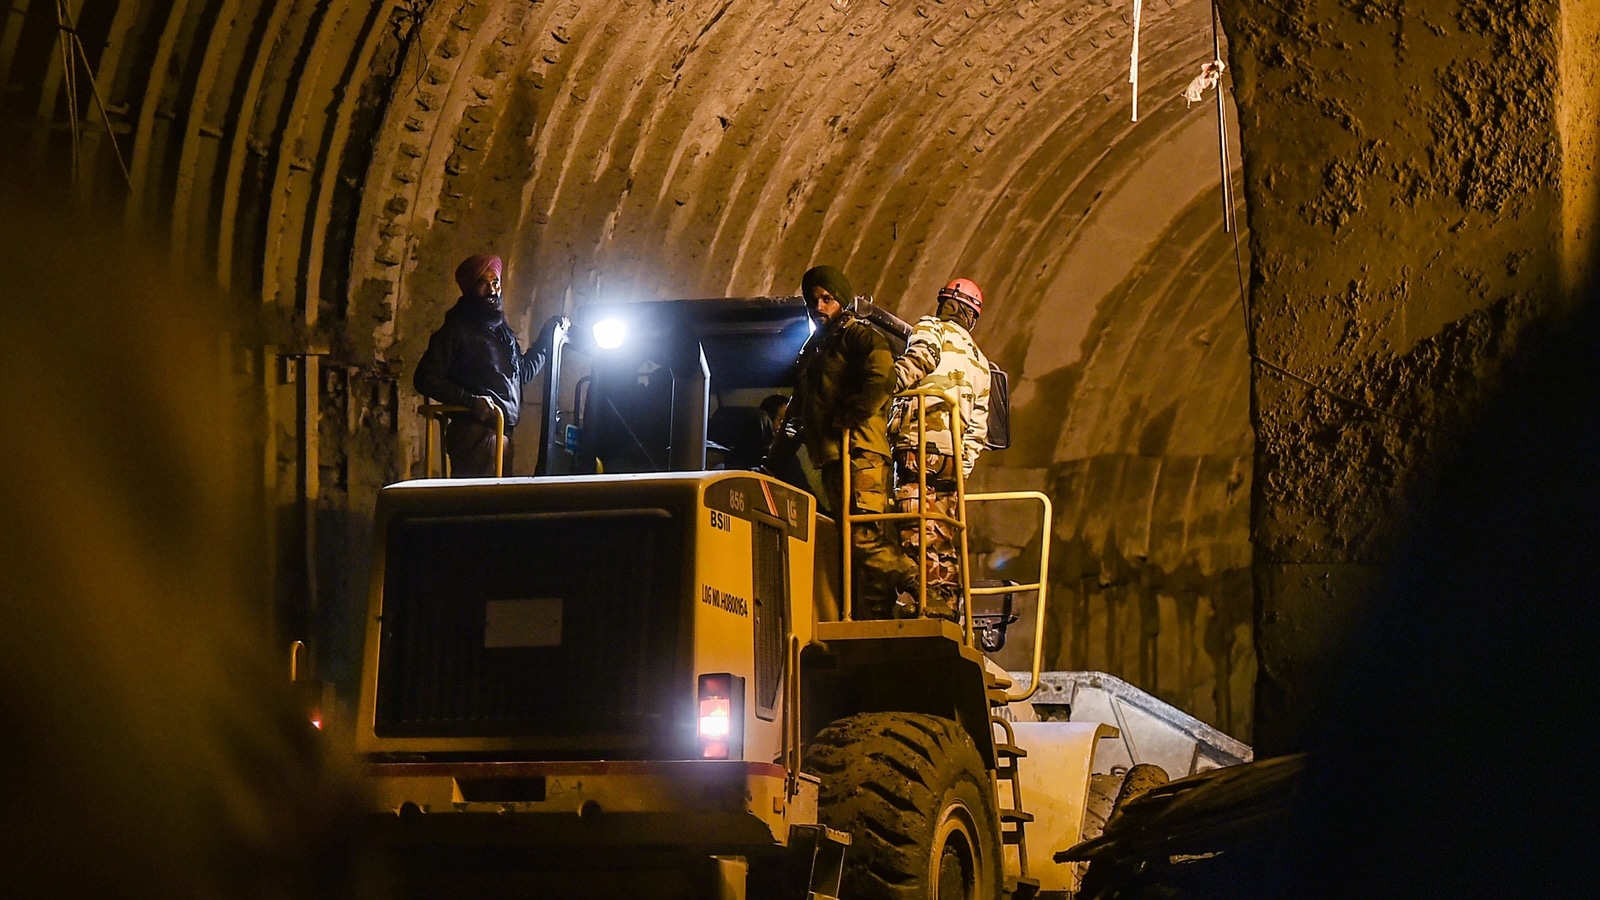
{"x": 522, "y": 623}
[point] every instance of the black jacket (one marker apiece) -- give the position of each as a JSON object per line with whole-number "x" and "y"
{"x": 474, "y": 353}
{"x": 844, "y": 380}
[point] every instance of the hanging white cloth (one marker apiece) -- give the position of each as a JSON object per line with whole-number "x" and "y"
{"x": 1210, "y": 76}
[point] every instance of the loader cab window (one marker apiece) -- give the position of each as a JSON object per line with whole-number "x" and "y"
{"x": 632, "y": 386}
{"x": 614, "y": 414}
{"x": 626, "y": 419}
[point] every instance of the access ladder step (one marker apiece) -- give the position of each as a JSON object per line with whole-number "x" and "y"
{"x": 1011, "y": 750}
{"x": 998, "y": 697}
{"x": 1015, "y": 815}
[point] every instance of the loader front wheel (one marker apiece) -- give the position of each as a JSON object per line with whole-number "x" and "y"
{"x": 915, "y": 797}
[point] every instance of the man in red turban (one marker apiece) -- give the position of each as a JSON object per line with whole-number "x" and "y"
{"x": 474, "y": 361}
{"x": 483, "y": 267}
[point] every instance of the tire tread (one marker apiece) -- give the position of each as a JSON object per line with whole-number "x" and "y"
{"x": 885, "y": 777}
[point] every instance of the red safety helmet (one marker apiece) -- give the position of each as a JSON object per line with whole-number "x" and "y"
{"x": 964, "y": 291}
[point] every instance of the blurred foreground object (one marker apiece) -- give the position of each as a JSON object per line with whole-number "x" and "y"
{"x": 153, "y": 744}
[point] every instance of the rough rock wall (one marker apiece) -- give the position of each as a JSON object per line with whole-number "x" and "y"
{"x": 1580, "y": 144}
{"x": 1403, "y": 169}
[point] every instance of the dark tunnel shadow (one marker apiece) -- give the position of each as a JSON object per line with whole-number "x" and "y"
{"x": 1453, "y": 762}
{"x": 1450, "y": 759}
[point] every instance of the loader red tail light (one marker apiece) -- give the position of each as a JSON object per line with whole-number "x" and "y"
{"x": 721, "y": 709}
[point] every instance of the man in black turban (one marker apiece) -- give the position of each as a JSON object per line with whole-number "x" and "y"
{"x": 844, "y": 382}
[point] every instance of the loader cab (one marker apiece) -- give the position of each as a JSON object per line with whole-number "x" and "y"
{"x": 672, "y": 385}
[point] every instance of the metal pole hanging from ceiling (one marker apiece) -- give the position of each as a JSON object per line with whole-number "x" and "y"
{"x": 1222, "y": 126}
{"x": 1133, "y": 61}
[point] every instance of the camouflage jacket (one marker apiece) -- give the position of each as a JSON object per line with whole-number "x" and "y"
{"x": 942, "y": 355}
{"x": 845, "y": 379}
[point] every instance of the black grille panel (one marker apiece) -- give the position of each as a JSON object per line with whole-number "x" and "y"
{"x": 770, "y": 581}
{"x": 591, "y": 644}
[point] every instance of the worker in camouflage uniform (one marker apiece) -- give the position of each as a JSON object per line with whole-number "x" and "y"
{"x": 942, "y": 356}
{"x": 844, "y": 382}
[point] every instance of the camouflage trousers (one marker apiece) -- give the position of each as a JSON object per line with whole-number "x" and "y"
{"x": 879, "y": 571}
{"x": 943, "y": 550}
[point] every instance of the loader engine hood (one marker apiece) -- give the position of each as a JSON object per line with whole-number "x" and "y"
{"x": 553, "y": 627}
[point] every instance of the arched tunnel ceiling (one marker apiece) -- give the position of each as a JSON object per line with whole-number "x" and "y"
{"x": 331, "y": 162}
{"x": 686, "y": 148}
{"x": 709, "y": 149}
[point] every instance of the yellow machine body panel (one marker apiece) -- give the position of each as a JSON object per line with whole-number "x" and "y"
{"x": 1060, "y": 760}
{"x": 731, "y": 557}
{"x": 753, "y": 566}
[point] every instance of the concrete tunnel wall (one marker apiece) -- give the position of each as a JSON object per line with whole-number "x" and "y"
{"x": 1422, "y": 189}
{"x": 328, "y": 163}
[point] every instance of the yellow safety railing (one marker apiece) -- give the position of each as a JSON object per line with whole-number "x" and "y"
{"x": 923, "y": 515}
{"x": 436, "y": 414}
{"x": 1041, "y": 586}
{"x": 791, "y": 720}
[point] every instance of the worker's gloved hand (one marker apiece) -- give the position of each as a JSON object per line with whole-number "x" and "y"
{"x": 482, "y": 409}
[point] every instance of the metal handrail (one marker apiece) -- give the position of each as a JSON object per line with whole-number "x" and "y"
{"x": 434, "y": 413}
{"x": 1041, "y": 586}
{"x": 791, "y": 721}
{"x": 297, "y": 649}
{"x": 922, "y": 516}
{"x": 887, "y": 517}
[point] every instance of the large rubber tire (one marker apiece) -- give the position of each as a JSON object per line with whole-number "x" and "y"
{"x": 1140, "y": 780}
{"x": 1098, "y": 804}
{"x": 915, "y": 797}
{"x": 1100, "y": 878}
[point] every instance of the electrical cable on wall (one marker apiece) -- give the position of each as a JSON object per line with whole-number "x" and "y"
{"x": 69, "y": 71}
{"x": 67, "y": 26}
{"x": 1217, "y": 67}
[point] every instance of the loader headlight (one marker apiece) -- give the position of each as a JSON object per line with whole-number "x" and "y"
{"x": 721, "y": 729}
{"x": 609, "y": 334}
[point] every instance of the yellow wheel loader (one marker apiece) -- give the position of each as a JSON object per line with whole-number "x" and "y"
{"x": 636, "y": 676}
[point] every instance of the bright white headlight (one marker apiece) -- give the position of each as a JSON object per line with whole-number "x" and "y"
{"x": 610, "y": 333}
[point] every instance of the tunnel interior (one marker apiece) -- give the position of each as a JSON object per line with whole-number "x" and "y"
{"x": 1230, "y": 420}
